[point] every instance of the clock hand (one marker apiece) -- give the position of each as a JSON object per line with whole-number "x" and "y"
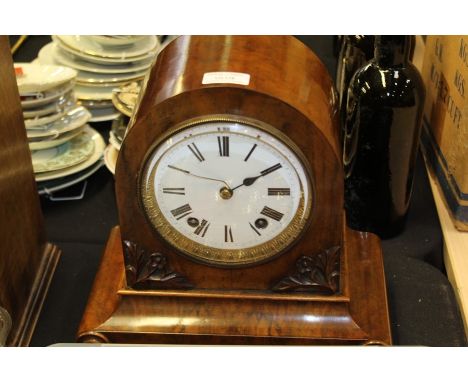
{"x": 198, "y": 176}
{"x": 251, "y": 180}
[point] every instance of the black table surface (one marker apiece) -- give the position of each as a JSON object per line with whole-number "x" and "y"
{"x": 423, "y": 309}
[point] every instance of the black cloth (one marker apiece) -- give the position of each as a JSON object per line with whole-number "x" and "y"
{"x": 422, "y": 305}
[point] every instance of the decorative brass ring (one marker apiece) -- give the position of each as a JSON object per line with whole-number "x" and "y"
{"x": 215, "y": 256}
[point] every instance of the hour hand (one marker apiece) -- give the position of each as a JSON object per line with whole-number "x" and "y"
{"x": 251, "y": 180}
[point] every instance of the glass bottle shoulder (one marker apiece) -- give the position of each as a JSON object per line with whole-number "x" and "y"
{"x": 374, "y": 82}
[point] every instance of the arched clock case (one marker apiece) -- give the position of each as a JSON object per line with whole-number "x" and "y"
{"x": 229, "y": 187}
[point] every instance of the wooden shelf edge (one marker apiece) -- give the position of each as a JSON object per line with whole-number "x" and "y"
{"x": 50, "y": 257}
{"x": 455, "y": 250}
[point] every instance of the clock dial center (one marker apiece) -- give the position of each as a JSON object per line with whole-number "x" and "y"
{"x": 225, "y": 193}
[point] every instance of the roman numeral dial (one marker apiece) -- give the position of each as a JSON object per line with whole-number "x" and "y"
{"x": 223, "y": 146}
{"x": 202, "y": 228}
{"x": 226, "y": 192}
{"x": 175, "y": 190}
{"x": 181, "y": 211}
{"x": 279, "y": 191}
{"x": 250, "y": 152}
{"x": 271, "y": 213}
{"x": 228, "y": 234}
{"x": 194, "y": 149}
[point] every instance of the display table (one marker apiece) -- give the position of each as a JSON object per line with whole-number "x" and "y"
{"x": 423, "y": 309}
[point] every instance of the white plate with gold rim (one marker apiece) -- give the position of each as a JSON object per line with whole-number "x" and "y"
{"x": 38, "y": 78}
{"x": 110, "y": 158}
{"x": 91, "y": 104}
{"x": 62, "y": 103}
{"x": 103, "y": 60}
{"x": 49, "y": 186}
{"x": 104, "y": 114}
{"x": 126, "y": 97}
{"x": 99, "y": 146}
{"x": 116, "y": 40}
{"x": 108, "y": 79}
{"x": 41, "y": 121}
{"x": 45, "y": 97}
{"x": 124, "y": 109}
{"x": 67, "y": 59}
{"x": 72, "y": 120}
{"x": 71, "y": 153}
{"x": 94, "y": 93}
{"x": 60, "y": 140}
{"x": 85, "y": 46}
{"x": 119, "y": 128}
{"x": 114, "y": 141}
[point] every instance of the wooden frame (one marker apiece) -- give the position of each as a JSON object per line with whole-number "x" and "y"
{"x": 27, "y": 260}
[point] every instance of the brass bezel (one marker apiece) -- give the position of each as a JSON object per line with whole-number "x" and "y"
{"x": 215, "y": 256}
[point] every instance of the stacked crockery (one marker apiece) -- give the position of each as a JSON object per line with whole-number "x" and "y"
{"x": 60, "y": 141}
{"x": 124, "y": 99}
{"x": 103, "y": 63}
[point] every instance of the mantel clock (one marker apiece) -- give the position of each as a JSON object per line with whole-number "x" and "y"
{"x": 229, "y": 188}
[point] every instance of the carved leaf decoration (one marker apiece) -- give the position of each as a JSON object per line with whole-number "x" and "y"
{"x": 150, "y": 271}
{"x": 333, "y": 267}
{"x": 314, "y": 274}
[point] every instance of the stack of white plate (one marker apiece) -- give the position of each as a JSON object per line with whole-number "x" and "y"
{"x": 103, "y": 63}
{"x": 61, "y": 142}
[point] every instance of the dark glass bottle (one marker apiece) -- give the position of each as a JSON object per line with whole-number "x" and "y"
{"x": 382, "y": 129}
{"x": 355, "y": 51}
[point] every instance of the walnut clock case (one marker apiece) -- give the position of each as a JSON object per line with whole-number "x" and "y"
{"x": 229, "y": 187}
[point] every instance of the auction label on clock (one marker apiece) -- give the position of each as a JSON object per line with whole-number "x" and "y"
{"x": 226, "y": 78}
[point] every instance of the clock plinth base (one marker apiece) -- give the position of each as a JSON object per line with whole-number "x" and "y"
{"x": 119, "y": 315}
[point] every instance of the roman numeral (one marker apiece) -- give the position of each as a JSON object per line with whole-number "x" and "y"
{"x": 271, "y": 213}
{"x": 250, "y": 153}
{"x": 175, "y": 191}
{"x": 223, "y": 145}
{"x": 228, "y": 234}
{"x": 255, "y": 229}
{"x": 194, "y": 149}
{"x": 202, "y": 228}
{"x": 279, "y": 191}
{"x": 271, "y": 169}
{"x": 182, "y": 211}
{"x": 178, "y": 169}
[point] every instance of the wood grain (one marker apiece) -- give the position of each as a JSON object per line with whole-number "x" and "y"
{"x": 27, "y": 262}
{"x": 116, "y": 314}
{"x": 290, "y": 90}
{"x": 455, "y": 249}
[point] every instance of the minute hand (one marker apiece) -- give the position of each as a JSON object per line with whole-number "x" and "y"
{"x": 251, "y": 180}
{"x": 198, "y": 176}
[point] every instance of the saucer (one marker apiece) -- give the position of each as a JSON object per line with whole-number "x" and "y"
{"x": 38, "y": 77}
{"x": 84, "y": 45}
{"x": 99, "y": 146}
{"x": 71, "y": 153}
{"x": 53, "y": 53}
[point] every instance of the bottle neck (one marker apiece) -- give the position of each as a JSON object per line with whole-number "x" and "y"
{"x": 365, "y": 43}
{"x": 392, "y": 50}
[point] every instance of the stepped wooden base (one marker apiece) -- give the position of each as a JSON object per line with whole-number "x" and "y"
{"x": 23, "y": 330}
{"x": 358, "y": 316}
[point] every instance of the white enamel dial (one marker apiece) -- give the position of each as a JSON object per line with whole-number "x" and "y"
{"x": 228, "y": 192}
